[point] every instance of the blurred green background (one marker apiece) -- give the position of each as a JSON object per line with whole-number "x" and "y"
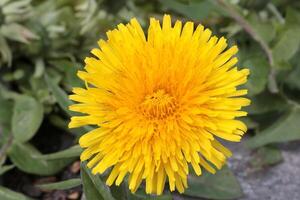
{"x": 43, "y": 44}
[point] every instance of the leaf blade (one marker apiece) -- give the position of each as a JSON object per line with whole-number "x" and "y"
{"x": 89, "y": 188}
{"x": 283, "y": 130}
{"x": 101, "y": 187}
{"x": 7, "y": 194}
{"x": 71, "y": 152}
{"x": 27, "y": 118}
{"x": 60, "y": 95}
{"x": 62, "y": 185}
{"x": 222, "y": 185}
{"x": 5, "y": 168}
{"x": 23, "y": 157}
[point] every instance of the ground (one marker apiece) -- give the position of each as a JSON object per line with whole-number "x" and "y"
{"x": 272, "y": 183}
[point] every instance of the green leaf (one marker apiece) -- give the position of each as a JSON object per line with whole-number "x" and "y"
{"x": 8, "y": 94}
{"x": 122, "y": 192}
{"x": 292, "y": 80}
{"x": 7, "y": 194}
{"x": 63, "y": 100}
{"x": 89, "y": 188}
{"x": 5, "y": 168}
{"x": 292, "y": 17}
{"x": 62, "y": 185}
{"x": 265, "y": 156}
{"x": 24, "y": 157}
{"x": 222, "y": 185}
{"x": 270, "y": 155}
{"x": 194, "y": 9}
{"x": 141, "y": 195}
{"x": 6, "y": 139}
{"x": 17, "y": 32}
{"x": 250, "y": 123}
{"x": 61, "y": 97}
{"x": 59, "y": 122}
{"x": 98, "y": 183}
{"x": 41, "y": 91}
{"x": 261, "y": 103}
{"x": 39, "y": 68}
{"x": 70, "y": 70}
{"x": 264, "y": 29}
{"x": 119, "y": 192}
{"x": 71, "y": 152}
{"x": 287, "y": 45}
{"x": 258, "y": 77}
{"x": 5, "y": 51}
{"x": 284, "y": 129}
{"x": 27, "y": 118}
{"x": 5, "y": 112}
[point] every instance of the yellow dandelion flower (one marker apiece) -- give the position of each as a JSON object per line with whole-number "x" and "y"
{"x": 159, "y": 103}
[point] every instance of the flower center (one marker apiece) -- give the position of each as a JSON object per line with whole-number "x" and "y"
{"x": 158, "y": 105}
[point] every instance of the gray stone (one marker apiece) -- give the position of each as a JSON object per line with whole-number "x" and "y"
{"x": 279, "y": 182}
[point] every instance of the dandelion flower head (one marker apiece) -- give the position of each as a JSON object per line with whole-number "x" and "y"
{"x": 160, "y": 102}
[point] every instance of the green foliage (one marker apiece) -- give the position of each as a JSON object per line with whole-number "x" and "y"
{"x": 263, "y": 28}
{"x": 89, "y": 188}
{"x": 222, "y": 185}
{"x": 284, "y": 129}
{"x": 194, "y": 9}
{"x": 258, "y": 78}
{"x": 6, "y": 112}
{"x": 27, "y": 118}
{"x": 71, "y": 152}
{"x": 59, "y": 94}
{"x": 94, "y": 188}
{"x": 260, "y": 103}
{"x": 62, "y": 185}
{"x": 24, "y": 157}
{"x": 266, "y": 156}
{"x": 141, "y": 195}
{"x": 102, "y": 189}
{"x": 5, "y": 168}
{"x": 287, "y": 46}
{"x": 43, "y": 45}
{"x": 8, "y": 194}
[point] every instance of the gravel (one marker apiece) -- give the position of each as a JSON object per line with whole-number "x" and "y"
{"x": 278, "y": 182}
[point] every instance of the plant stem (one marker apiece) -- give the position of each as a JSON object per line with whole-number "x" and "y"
{"x": 249, "y": 29}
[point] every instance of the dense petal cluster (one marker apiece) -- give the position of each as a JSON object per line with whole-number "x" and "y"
{"x": 159, "y": 103}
